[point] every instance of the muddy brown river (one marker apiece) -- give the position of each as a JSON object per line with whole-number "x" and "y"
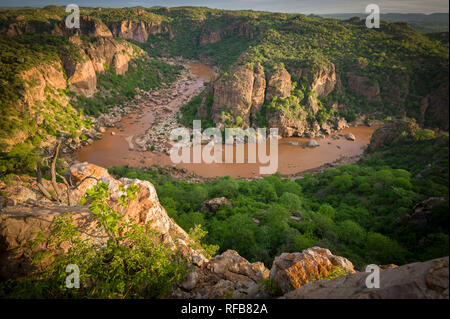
{"x": 293, "y": 157}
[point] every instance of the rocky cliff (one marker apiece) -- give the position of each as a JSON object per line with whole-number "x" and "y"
{"x": 240, "y": 94}
{"x": 42, "y": 95}
{"x": 137, "y": 31}
{"x": 25, "y": 211}
{"x": 210, "y": 34}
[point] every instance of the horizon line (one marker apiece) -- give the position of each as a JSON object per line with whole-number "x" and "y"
{"x": 156, "y": 7}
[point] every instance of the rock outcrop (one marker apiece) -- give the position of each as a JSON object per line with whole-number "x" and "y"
{"x": 225, "y": 276}
{"x": 242, "y": 92}
{"x": 322, "y": 81}
{"x": 19, "y": 223}
{"x": 93, "y": 27}
{"x": 364, "y": 87}
{"x": 259, "y": 89}
{"x": 233, "y": 94}
{"x": 291, "y": 271}
{"x": 81, "y": 75}
{"x": 212, "y": 205}
{"x": 37, "y": 79}
{"x": 279, "y": 84}
{"x": 137, "y": 30}
{"x": 288, "y": 125}
{"x": 24, "y": 212}
{"x": 109, "y": 52}
{"x": 42, "y": 94}
{"x": 425, "y": 280}
{"x": 391, "y": 132}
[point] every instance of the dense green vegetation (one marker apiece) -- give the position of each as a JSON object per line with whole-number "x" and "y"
{"x": 354, "y": 210}
{"x": 54, "y": 116}
{"x": 115, "y": 90}
{"x": 435, "y": 22}
{"x": 190, "y": 109}
{"x": 24, "y": 126}
{"x": 403, "y": 64}
{"x": 134, "y": 264}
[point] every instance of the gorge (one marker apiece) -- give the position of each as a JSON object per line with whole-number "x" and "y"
{"x": 86, "y": 116}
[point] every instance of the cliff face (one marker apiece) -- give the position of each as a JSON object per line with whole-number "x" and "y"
{"x": 81, "y": 75}
{"x": 137, "y": 31}
{"x": 24, "y": 212}
{"x": 37, "y": 79}
{"x": 233, "y": 94}
{"x": 243, "y": 91}
{"x": 237, "y": 27}
{"x": 279, "y": 84}
{"x": 107, "y": 51}
{"x": 43, "y": 96}
{"x": 322, "y": 81}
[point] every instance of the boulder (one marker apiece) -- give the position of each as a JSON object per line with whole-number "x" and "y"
{"x": 137, "y": 30}
{"x": 350, "y": 137}
{"x": 224, "y": 276}
{"x": 424, "y": 280}
{"x": 212, "y": 205}
{"x": 313, "y": 143}
{"x": 291, "y": 271}
{"x": 340, "y": 124}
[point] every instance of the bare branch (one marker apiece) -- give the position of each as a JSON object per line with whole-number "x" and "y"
{"x": 68, "y": 189}
{"x": 53, "y": 171}
{"x": 40, "y": 185}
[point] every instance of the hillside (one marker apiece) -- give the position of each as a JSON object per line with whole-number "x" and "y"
{"x": 435, "y": 22}
{"x": 304, "y": 75}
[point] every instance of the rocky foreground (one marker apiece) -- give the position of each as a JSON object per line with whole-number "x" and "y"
{"x": 25, "y": 211}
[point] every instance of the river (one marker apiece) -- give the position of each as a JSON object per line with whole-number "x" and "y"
{"x": 113, "y": 149}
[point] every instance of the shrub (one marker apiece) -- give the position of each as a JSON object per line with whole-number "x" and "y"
{"x": 134, "y": 263}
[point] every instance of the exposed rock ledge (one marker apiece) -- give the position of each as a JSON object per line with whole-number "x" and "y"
{"x": 23, "y": 212}
{"x": 426, "y": 280}
{"x": 22, "y": 216}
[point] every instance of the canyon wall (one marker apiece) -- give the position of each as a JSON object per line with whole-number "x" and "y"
{"x": 240, "y": 94}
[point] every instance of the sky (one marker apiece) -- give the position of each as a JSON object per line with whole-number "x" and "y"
{"x": 290, "y": 6}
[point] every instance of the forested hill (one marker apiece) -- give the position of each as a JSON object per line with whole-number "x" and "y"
{"x": 435, "y": 22}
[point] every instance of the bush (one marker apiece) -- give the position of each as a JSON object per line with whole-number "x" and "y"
{"x": 134, "y": 264}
